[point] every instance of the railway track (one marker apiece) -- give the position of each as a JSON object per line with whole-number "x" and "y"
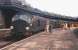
{"x": 3, "y": 36}
{"x": 4, "y": 43}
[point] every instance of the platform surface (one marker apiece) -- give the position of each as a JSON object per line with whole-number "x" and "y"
{"x": 57, "y": 40}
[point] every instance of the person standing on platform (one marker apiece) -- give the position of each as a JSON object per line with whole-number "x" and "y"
{"x": 47, "y": 26}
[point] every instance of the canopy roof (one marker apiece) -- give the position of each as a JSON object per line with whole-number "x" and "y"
{"x": 18, "y": 5}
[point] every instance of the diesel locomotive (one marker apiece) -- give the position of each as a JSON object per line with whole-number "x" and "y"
{"x": 34, "y": 23}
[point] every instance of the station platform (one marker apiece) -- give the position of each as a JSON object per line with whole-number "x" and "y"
{"x": 58, "y": 39}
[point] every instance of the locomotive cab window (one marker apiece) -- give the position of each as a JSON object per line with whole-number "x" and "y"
{"x": 26, "y": 17}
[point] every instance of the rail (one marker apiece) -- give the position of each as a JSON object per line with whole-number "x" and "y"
{"x": 5, "y": 29}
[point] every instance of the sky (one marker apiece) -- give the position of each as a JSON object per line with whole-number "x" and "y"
{"x": 63, "y": 7}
